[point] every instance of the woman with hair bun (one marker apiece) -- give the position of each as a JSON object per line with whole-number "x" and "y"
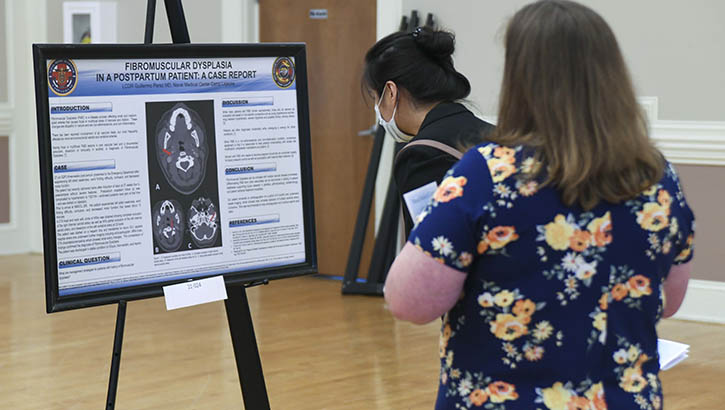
{"x": 416, "y": 90}
{"x": 554, "y": 250}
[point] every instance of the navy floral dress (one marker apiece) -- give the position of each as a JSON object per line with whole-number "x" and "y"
{"x": 560, "y": 305}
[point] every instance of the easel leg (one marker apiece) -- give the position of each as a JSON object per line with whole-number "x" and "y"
{"x": 246, "y": 353}
{"x": 363, "y": 214}
{"x": 116, "y": 358}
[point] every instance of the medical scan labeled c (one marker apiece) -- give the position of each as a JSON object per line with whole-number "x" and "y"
{"x": 202, "y": 222}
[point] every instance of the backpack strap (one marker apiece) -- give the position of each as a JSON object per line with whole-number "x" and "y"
{"x": 427, "y": 143}
{"x": 433, "y": 144}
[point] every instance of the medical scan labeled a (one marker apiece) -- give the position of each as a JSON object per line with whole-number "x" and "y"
{"x": 182, "y": 175}
{"x": 181, "y": 148}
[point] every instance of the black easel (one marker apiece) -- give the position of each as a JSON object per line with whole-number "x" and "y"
{"x": 386, "y": 241}
{"x": 116, "y": 357}
{"x": 246, "y": 353}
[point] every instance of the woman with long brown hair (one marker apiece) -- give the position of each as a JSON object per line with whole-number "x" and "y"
{"x": 553, "y": 250}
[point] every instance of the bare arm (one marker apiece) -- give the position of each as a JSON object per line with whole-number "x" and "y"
{"x": 675, "y": 287}
{"x": 420, "y": 289}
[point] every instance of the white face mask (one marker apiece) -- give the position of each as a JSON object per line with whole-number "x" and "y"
{"x": 390, "y": 126}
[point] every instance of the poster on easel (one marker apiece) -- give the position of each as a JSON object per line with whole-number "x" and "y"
{"x": 165, "y": 163}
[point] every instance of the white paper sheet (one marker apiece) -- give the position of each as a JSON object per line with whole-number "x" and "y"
{"x": 417, "y": 199}
{"x": 671, "y": 353}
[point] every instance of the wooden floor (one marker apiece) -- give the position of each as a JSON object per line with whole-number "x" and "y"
{"x": 319, "y": 350}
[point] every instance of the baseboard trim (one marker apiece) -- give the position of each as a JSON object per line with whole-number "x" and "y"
{"x": 704, "y": 302}
{"x": 683, "y": 142}
{"x": 6, "y": 119}
{"x": 691, "y": 142}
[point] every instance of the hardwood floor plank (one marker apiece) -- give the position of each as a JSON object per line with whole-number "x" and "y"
{"x": 319, "y": 350}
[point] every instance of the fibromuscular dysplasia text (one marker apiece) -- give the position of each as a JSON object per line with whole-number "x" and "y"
{"x": 139, "y": 71}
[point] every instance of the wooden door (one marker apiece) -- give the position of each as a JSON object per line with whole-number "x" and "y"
{"x": 337, "y": 33}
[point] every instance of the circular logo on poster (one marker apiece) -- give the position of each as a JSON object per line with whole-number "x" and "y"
{"x": 283, "y": 72}
{"x": 62, "y": 76}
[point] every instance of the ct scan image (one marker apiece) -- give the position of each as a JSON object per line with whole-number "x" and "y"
{"x": 168, "y": 225}
{"x": 203, "y": 222}
{"x": 182, "y": 175}
{"x": 181, "y": 148}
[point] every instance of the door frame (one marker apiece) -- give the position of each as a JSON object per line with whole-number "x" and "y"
{"x": 388, "y": 21}
{"x": 234, "y": 12}
{"x": 388, "y": 14}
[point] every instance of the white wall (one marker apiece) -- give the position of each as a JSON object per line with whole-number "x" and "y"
{"x": 17, "y": 117}
{"x": 202, "y": 18}
{"x": 674, "y": 49}
{"x": 3, "y": 55}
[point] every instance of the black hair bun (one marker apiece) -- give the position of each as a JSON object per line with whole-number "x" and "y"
{"x": 419, "y": 62}
{"x": 437, "y": 44}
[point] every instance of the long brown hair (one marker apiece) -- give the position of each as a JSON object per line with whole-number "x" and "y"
{"x": 567, "y": 94}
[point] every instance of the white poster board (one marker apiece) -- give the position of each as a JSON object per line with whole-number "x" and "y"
{"x": 174, "y": 168}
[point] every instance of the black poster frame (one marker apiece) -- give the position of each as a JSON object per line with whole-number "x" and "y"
{"x": 44, "y": 52}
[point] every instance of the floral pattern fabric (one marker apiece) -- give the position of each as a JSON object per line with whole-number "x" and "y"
{"x": 560, "y": 304}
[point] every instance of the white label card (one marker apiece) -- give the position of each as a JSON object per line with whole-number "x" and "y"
{"x": 417, "y": 199}
{"x": 195, "y": 292}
